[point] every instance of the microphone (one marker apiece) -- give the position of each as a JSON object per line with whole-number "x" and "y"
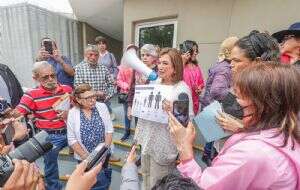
{"x": 130, "y": 59}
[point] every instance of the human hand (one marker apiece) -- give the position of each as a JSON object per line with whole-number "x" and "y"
{"x": 21, "y": 130}
{"x": 24, "y": 177}
{"x": 132, "y": 155}
{"x": 83, "y": 180}
{"x": 198, "y": 90}
{"x": 167, "y": 106}
{"x": 184, "y": 137}
{"x": 129, "y": 112}
{"x": 228, "y": 122}
{"x": 57, "y": 56}
{"x": 186, "y": 57}
{"x": 62, "y": 114}
{"x": 43, "y": 55}
{"x": 4, "y": 149}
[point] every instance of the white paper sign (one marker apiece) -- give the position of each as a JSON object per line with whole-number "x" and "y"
{"x": 62, "y": 104}
{"x": 147, "y": 102}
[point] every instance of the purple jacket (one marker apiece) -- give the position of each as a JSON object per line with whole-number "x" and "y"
{"x": 218, "y": 83}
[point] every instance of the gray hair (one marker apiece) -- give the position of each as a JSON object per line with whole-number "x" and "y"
{"x": 91, "y": 47}
{"x": 37, "y": 67}
{"x": 150, "y": 49}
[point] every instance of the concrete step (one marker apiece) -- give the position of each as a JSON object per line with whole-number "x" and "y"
{"x": 120, "y": 128}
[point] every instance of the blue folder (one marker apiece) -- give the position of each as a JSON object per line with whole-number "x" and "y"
{"x": 208, "y": 130}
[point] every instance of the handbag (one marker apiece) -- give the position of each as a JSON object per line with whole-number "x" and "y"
{"x": 122, "y": 98}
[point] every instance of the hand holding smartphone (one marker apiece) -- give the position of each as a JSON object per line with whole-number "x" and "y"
{"x": 100, "y": 154}
{"x": 48, "y": 46}
{"x": 8, "y": 133}
{"x": 181, "y": 111}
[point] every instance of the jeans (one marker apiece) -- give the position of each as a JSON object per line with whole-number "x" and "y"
{"x": 59, "y": 141}
{"x": 108, "y": 106}
{"x": 126, "y": 120}
{"x": 103, "y": 179}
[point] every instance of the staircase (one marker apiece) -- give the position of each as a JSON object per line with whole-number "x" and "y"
{"x": 67, "y": 163}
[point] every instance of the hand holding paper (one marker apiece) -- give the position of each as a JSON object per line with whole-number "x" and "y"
{"x": 63, "y": 103}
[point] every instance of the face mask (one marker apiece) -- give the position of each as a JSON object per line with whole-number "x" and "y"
{"x": 232, "y": 107}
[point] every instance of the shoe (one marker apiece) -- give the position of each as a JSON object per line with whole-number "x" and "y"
{"x": 138, "y": 162}
{"x": 112, "y": 116}
{"x": 126, "y": 136}
{"x": 113, "y": 158}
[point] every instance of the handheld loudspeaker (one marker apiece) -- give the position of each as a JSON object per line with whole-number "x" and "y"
{"x": 130, "y": 59}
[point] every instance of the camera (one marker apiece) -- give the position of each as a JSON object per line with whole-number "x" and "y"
{"x": 187, "y": 46}
{"x": 31, "y": 150}
{"x": 48, "y": 46}
{"x": 4, "y": 105}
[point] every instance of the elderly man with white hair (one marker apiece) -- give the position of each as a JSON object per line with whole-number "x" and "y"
{"x": 89, "y": 71}
{"x": 39, "y": 102}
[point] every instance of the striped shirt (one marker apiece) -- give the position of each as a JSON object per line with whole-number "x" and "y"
{"x": 39, "y": 102}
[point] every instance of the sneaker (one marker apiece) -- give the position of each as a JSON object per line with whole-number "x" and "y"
{"x": 112, "y": 116}
{"x": 113, "y": 158}
{"x": 125, "y": 136}
{"x": 138, "y": 162}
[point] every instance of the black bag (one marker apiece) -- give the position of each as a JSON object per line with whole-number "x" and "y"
{"x": 122, "y": 98}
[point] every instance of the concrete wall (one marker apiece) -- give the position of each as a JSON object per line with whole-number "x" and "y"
{"x": 209, "y": 22}
{"x": 114, "y": 46}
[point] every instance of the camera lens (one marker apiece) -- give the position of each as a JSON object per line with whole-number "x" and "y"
{"x": 33, "y": 148}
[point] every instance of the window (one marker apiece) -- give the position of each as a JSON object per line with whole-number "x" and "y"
{"x": 162, "y": 33}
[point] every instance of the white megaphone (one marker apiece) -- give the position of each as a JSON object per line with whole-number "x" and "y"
{"x": 130, "y": 59}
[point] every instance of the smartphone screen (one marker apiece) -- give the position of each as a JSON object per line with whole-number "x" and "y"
{"x": 181, "y": 111}
{"x": 8, "y": 133}
{"x": 48, "y": 46}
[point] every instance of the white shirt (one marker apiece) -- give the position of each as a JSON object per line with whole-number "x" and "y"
{"x": 73, "y": 125}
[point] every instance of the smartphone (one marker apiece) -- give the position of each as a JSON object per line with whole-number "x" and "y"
{"x": 48, "y": 46}
{"x": 99, "y": 154}
{"x": 181, "y": 111}
{"x": 8, "y": 133}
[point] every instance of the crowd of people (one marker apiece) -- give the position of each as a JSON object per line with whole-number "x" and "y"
{"x": 256, "y": 76}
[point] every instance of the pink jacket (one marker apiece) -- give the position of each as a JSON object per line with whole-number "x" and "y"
{"x": 124, "y": 79}
{"x": 193, "y": 77}
{"x": 250, "y": 161}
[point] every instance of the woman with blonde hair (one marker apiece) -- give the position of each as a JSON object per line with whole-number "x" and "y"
{"x": 218, "y": 84}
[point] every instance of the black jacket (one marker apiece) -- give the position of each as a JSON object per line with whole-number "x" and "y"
{"x": 14, "y": 88}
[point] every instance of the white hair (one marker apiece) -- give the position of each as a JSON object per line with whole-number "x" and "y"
{"x": 38, "y": 65}
{"x": 90, "y": 47}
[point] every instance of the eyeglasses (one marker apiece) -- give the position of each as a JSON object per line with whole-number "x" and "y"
{"x": 47, "y": 77}
{"x": 92, "y": 97}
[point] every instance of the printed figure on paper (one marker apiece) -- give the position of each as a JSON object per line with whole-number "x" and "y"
{"x": 157, "y": 100}
{"x": 151, "y": 96}
{"x": 148, "y": 100}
